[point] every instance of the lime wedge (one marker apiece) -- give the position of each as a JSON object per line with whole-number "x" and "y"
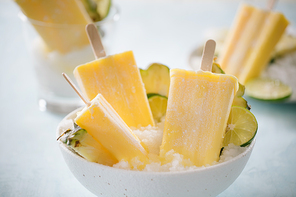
{"x": 267, "y": 89}
{"x": 241, "y": 127}
{"x": 156, "y": 79}
{"x": 158, "y": 105}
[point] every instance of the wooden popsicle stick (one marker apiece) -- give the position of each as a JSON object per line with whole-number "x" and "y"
{"x": 208, "y": 55}
{"x": 76, "y": 90}
{"x": 271, "y": 4}
{"x": 95, "y": 40}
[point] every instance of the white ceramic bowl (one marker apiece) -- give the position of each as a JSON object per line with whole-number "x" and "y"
{"x": 107, "y": 181}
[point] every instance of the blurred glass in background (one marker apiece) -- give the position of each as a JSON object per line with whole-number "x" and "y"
{"x": 57, "y": 41}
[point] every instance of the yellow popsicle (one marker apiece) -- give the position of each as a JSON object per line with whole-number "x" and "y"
{"x": 118, "y": 79}
{"x": 198, "y": 108}
{"x": 102, "y": 122}
{"x": 65, "y": 22}
{"x": 86, "y": 146}
{"x": 251, "y": 41}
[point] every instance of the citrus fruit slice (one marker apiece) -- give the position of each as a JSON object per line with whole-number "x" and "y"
{"x": 267, "y": 89}
{"x": 156, "y": 79}
{"x": 103, "y": 7}
{"x": 158, "y": 105}
{"x": 241, "y": 127}
{"x": 97, "y": 9}
{"x": 286, "y": 44}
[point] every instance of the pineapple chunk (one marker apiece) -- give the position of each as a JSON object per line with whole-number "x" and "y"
{"x": 84, "y": 145}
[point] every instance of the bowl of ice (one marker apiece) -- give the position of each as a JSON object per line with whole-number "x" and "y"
{"x": 154, "y": 180}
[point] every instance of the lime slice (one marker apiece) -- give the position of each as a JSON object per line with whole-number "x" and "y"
{"x": 97, "y": 9}
{"x": 241, "y": 127}
{"x": 267, "y": 89}
{"x": 285, "y": 45}
{"x": 158, "y": 105}
{"x": 156, "y": 79}
{"x": 103, "y": 7}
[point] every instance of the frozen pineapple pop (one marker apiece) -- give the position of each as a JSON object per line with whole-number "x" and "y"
{"x": 103, "y": 123}
{"x": 199, "y": 104}
{"x": 250, "y": 42}
{"x": 118, "y": 79}
{"x": 58, "y": 12}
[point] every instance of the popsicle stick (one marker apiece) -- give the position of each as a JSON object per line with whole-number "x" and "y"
{"x": 95, "y": 40}
{"x": 271, "y": 4}
{"x": 208, "y": 55}
{"x": 76, "y": 90}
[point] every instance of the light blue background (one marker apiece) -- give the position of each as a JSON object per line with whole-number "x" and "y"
{"x": 157, "y": 31}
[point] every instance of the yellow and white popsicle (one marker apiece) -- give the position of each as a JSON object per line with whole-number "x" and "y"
{"x": 251, "y": 41}
{"x": 198, "y": 108}
{"x": 103, "y": 123}
{"x": 65, "y": 22}
{"x": 118, "y": 79}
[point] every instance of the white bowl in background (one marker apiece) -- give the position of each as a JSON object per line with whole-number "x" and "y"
{"x": 108, "y": 181}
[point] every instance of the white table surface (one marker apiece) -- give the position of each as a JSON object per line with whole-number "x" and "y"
{"x": 157, "y": 31}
